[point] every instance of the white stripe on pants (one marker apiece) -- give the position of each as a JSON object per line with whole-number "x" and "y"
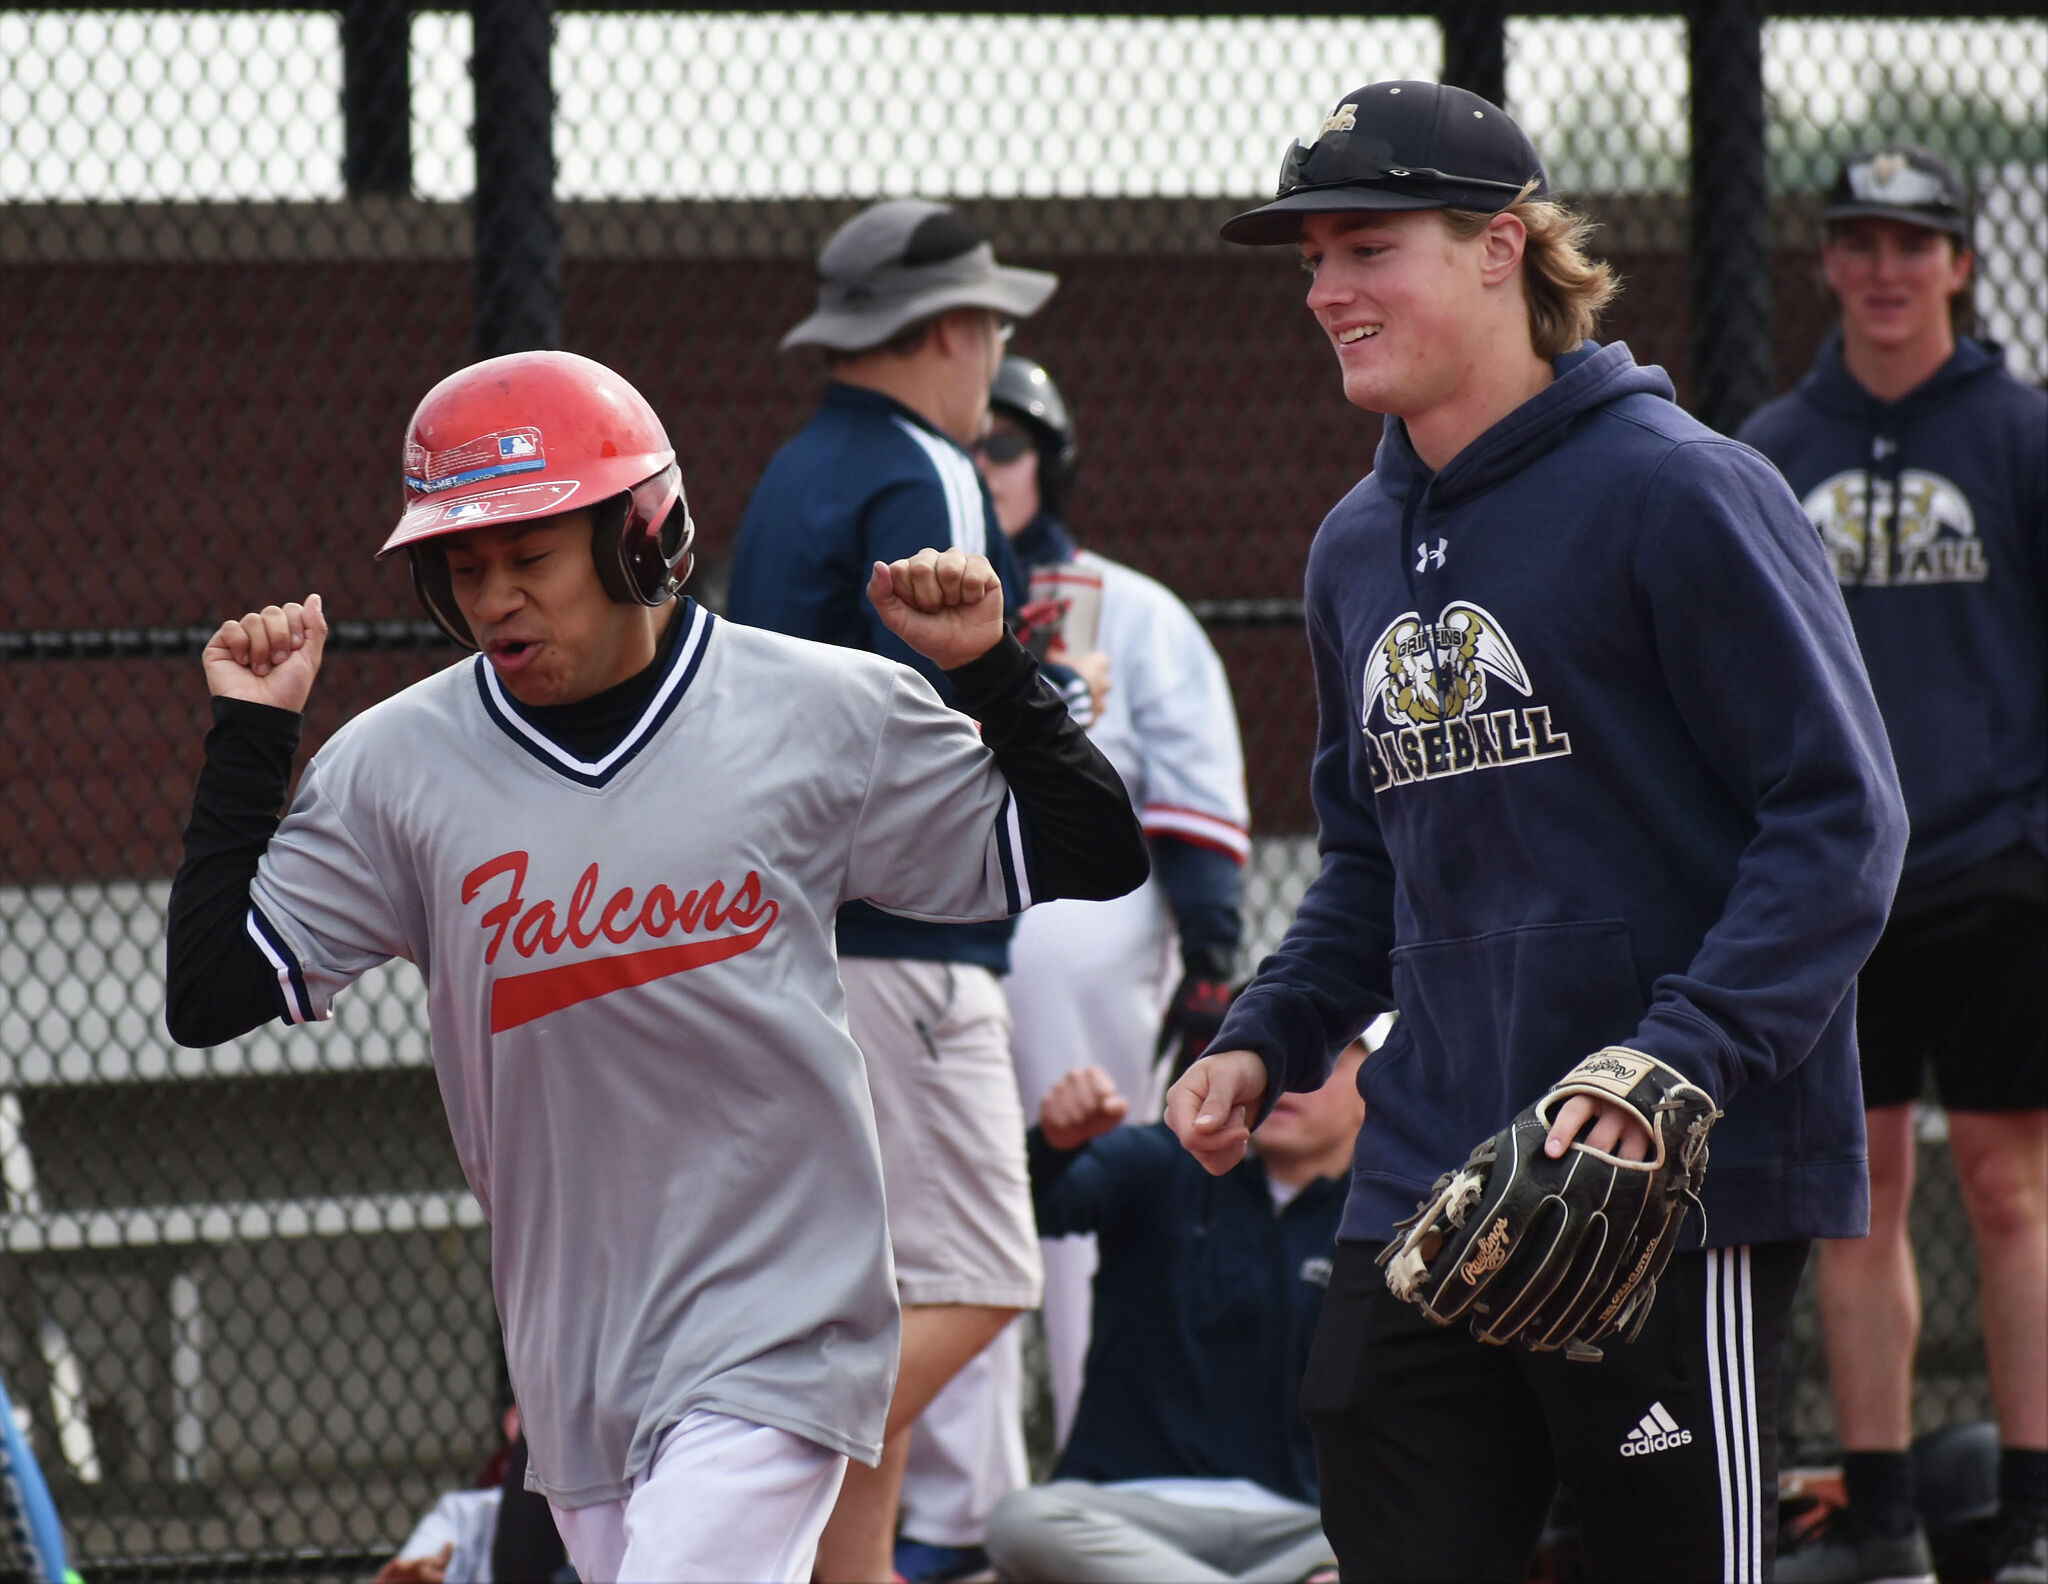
{"x": 723, "y": 1499}
{"x": 1731, "y": 1377}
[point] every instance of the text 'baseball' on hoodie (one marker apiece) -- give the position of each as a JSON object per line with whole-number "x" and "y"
{"x": 1597, "y": 763}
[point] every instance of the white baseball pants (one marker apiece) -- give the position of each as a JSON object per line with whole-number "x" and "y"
{"x": 722, "y": 1500}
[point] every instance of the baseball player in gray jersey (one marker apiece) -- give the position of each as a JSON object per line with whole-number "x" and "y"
{"x": 614, "y": 843}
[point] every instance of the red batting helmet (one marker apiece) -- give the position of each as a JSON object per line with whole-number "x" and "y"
{"x": 530, "y": 435}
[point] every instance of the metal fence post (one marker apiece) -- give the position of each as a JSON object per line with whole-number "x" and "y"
{"x": 1476, "y": 47}
{"x": 376, "y": 97}
{"x": 1731, "y": 234}
{"x": 518, "y": 232}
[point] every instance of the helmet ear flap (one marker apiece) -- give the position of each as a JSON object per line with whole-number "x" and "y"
{"x": 641, "y": 540}
{"x": 608, "y": 549}
{"x": 436, "y": 591}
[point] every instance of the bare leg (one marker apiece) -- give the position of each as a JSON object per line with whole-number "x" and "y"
{"x": 1870, "y": 1300}
{"x": 938, "y": 1339}
{"x": 2002, "y": 1161}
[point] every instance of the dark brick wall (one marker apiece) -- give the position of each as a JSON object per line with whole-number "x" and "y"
{"x": 186, "y": 439}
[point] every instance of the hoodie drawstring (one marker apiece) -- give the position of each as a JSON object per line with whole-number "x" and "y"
{"x": 1411, "y": 508}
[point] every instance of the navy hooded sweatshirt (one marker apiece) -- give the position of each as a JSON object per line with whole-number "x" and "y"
{"x": 1597, "y": 763}
{"x": 1933, "y": 511}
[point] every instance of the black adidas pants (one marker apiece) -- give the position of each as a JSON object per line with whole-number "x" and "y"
{"x": 1439, "y": 1455}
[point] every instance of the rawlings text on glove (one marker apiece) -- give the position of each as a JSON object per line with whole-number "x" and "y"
{"x": 1560, "y": 1253}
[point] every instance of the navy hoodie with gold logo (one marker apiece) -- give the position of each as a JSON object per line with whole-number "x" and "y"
{"x": 1597, "y": 763}
{"x": 1933, "y": 510}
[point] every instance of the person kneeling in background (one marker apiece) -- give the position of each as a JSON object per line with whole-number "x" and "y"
{"x": 1189, "y": 1458}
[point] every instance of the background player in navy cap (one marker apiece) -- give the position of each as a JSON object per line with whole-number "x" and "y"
{"x": 1924, "y": 464}
{"x": 1597, "y": 771}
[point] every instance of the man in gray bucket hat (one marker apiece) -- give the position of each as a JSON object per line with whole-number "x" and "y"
{"x": 912, "y": 314}
{"x": 902, "y": 262}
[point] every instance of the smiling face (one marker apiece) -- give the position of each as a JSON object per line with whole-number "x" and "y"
{"x": 1409, "y": 308}
{"x": 1894, "y": 282}
{"x": 531, "y": 595}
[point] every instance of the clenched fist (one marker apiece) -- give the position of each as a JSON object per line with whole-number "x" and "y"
{"x": 1083, "y": 1105}
{"x": 270, "y": 656}
{"x": 946, "y": 604}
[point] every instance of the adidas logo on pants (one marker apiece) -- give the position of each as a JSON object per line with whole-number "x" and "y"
{"x": 1657, "y": 1433}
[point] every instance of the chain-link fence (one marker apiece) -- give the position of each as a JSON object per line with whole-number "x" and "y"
{"x": 244, "y": 1297}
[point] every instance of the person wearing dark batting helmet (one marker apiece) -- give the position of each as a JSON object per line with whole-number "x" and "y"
{"x": 1608, "y": 816}
{"x": 613, "y": 840}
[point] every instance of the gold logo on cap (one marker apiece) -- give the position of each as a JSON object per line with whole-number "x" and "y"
{"x": 1342, "y": 119}
{"x": 1886, "y": 169}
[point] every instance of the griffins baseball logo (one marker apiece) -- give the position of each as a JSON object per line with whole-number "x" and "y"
{"x": 1915, "y": 529}
{"x": 1429, "y": 682}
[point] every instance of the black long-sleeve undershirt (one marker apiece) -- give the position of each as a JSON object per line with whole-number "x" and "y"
{"x": 1083, "y": 836}
{"x": 1083, "y": 839}
{"x": 217, "y": 984}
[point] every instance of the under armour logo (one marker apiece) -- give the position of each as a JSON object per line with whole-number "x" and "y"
{"x": 1882, "y": 446}
{"x": 1426, "y": 557}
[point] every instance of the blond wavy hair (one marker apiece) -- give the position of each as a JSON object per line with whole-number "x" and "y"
{"x": 1566, "y": 290}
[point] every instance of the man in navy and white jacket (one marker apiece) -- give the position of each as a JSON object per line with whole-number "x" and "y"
{"x": 1597, "y": 763}
{"x": 1924, "y": 464}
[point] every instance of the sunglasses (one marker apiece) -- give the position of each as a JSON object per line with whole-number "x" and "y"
{"x": 1336, "y": 162}
{"x": 1002, "y": 445}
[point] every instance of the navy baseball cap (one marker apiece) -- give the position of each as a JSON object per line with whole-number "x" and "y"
{"x": 1399, "y": 145}
{"x": 1901, "y": 181}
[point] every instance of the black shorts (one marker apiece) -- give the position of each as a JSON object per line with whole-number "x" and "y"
{"x": 1965, "y": 993}
{"x": 1439, "y": 1455}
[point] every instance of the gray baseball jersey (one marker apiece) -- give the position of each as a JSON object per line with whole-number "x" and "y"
{"x": 637, "y": 1020}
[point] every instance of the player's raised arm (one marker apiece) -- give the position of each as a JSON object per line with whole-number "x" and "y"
{"x": 1086, "y": 1167}
{"x": 1077, "y": 833}
{"x": 259, "y": 671}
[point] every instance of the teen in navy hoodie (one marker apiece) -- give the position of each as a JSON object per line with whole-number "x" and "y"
{"x": 1924, "y": 465}
{"x": 1597, "y": 763}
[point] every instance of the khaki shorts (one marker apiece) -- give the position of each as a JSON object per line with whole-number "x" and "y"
{"x": 936, "y": 1037}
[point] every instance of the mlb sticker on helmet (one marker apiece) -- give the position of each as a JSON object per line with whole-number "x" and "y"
{"x": 512, "y": 451}
{"x": 522, "y": 500}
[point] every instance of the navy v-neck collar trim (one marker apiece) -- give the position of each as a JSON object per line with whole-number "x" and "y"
{"x": 685, "y": 656}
